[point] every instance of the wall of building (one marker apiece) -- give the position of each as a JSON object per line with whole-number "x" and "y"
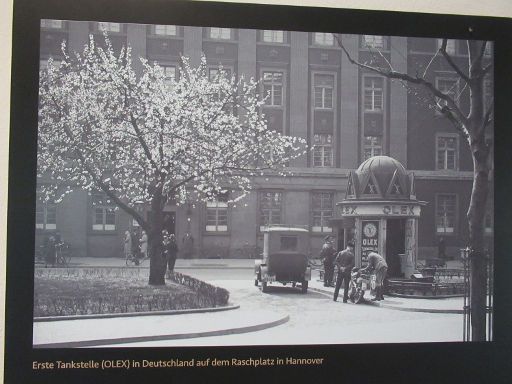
{"x": 407, "y": 125}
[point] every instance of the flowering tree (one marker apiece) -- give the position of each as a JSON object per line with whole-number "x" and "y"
{"x": 147, "y": 139}
{"x": 472, "y": 123}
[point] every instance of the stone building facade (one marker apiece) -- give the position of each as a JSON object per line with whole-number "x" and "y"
{"x": 346, "y": 114}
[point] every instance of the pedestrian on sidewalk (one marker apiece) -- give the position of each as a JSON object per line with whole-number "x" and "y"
{"x": 441, "y": 248}
{"x": 136, "y": 246}
{"x": 377, "y": 264}
{"x": 127, "y": 244}
{"x": 188, "y": 245}
{"x": 327, "y": 255}
{"x": 50, "y": 250}
{"x": 345, "y": 261}
{"x": 170, "y": 251}
{"x": 144, "y": 245}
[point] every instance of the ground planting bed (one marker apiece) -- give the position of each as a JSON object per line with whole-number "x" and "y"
{"x": 89, "y": 291}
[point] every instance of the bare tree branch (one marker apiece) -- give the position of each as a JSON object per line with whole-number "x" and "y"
{"x": 450, "y": 61}
{"x": 430, "y": 63}
{"x": 452, "y": 105}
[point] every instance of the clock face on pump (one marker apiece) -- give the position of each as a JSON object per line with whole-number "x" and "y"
{"x": 369, "y": 230}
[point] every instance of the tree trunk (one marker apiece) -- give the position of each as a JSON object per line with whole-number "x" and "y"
{"x": 157, "y": 263}
{"x": 478, "y": 262}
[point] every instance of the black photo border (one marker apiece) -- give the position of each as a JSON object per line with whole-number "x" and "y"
{"x": 363, "y": 363}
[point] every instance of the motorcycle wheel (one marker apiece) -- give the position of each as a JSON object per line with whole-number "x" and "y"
{"x": 358, "y": 296}
{"x": 352, "y": 292}
{"x": 264, "y": 287}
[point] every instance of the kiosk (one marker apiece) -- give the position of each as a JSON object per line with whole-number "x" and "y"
{"x": 380, "y": 213}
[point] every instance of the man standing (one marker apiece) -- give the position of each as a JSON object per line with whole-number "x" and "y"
{"x": 328, "y": 254}
{"x": 345, "y": 262}
{"x": 441, "y": 248}
{"x": 378, "y": 265}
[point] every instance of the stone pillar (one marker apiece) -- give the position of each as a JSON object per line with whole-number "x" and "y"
{"x": 247, "y": 53}
{"x": 398, "y": 103}
{"x": 299, "y": 90}
{"x": 136, "y": 39}
{"x": 78, "y": 35}
{"x": 193, "y": 44}
{"x": 349, "y": 99}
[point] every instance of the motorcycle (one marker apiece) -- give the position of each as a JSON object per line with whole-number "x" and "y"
{"x": 359, "y": 284}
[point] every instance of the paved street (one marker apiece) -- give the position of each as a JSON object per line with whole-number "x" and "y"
{"x": 315, "y": 318}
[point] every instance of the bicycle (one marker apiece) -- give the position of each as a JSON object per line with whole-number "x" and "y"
{"x": 135, "y": 259}
{"x": 62, "y": 254}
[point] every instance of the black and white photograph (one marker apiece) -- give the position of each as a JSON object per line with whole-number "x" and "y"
{"x": 246, "y": 192}
{"x": 207, "y": 186}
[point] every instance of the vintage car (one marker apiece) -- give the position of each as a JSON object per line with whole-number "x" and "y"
{"x": 285, "y": 257}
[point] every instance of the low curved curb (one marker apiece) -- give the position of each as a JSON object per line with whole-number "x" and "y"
{"x": 408, "y": 309}
{"x": 404, "y": 309}
{"x": 138, "y": 339}
{"x": 135, "y": 314}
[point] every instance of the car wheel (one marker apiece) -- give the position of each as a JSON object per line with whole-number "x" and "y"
{"x": 264, "y": 287}
{"x": 305, "y": 286}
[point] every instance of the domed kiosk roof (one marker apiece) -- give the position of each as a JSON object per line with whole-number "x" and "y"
{"x": 380, "y": 177}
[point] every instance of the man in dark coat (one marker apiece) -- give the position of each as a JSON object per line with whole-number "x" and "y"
{"x": 328, "y": 254}
{"x": 49, "y": 245}
{"x": 344, "y": 262}
{"x": 171, "y": 251}
{"x": 441, "y": 248}
{"x": 378, "y": 265}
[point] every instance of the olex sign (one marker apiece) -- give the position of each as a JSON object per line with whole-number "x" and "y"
{"x": 381, "y": 210}
{"x": 369, "y": 238}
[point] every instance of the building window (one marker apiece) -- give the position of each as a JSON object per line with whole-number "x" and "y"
{"x": 323, "y": 38}
{"x": 270, "y": 208}
{"x": 270, "y": 36}
{"x": 450, "y": 46}
{"x": 322, "y": 150}
{"x": 109, "y": 27}
{"x": 166, "y": 30}
{"x": 43, "y": 64}
{"x": 324, "y": 85}
{"x": 373, "y": 41}
{"x": 169, "y": 73}
{"x": 372, "y": 146}
{"x": 53, "y": 24}
{"x": 373, "y": 93}
{"x": 446, "y": 205}
{"x": 273, "y": 88}
{"x": 220, "y": 33}
{"x": 217, "y": 214}
{"x": 322, "y": 203}
{"x": 214, "y": 72}
{"x": 446, "y": 149}
{"x": 447, "y": 86}
{"x": 104, "y": 213}
{"x": 46, "y": 214}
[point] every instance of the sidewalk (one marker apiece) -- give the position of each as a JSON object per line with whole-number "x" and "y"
{"x": 180, "y": 263}
{"x": 118, "y": 331}
{"x": 441, "y": 305}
